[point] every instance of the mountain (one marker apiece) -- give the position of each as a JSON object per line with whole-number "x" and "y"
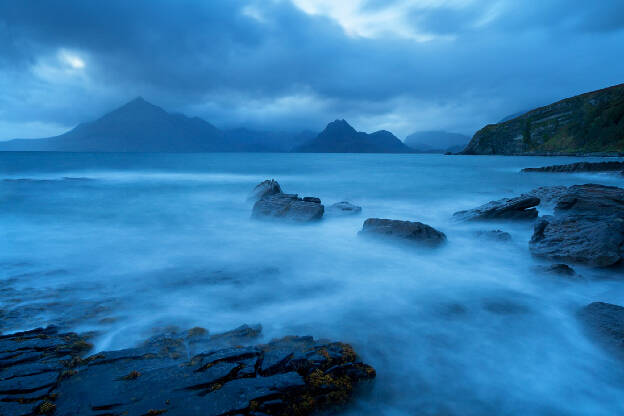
{"x": 512, "y": 116}
{"x": 139, "y": 126}
{"x": 589, "y": 123}
{"x": 436, "y": 141}
{"x": 340, "y": 137}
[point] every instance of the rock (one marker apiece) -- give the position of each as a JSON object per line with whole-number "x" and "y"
{"x": 587, "y": 228}
{"x": 519, "y": 208}
{"x": 289, "y": 207}
{"x": 605, "y": 323}
{"x": 558, "y": 269}
{"x": 415, "y": 232}
{"x": 496, "y": 235}
{"x": 265, "y": 188}
{"x": 611, "y": 166}
{"x": 344, "y": 208}
{"x": 272, "y": 203}
{"x": 548, "y": 195}
{"x": 292, "y": 375}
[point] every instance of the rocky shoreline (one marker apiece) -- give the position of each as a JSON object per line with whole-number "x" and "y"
{"x": 44, "y": 371}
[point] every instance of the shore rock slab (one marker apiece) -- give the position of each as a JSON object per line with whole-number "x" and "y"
{"x": 605, "y": 322}
{"x": 612, "y": 166}
{"x": 519, "y": 208}
{"x": 44, "y": 372}
{"x": 265, "y": 188}
{"x": 414, "y": 232}
{"x": 272, "y": 203}
{"x": 587, "y": 228}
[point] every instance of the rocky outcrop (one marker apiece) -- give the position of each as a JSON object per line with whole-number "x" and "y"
{"x": 273, "y": 204}
{"x": 605, "y": 323}
{"x": 587, "y": 228}
{"x": 344, "y": 208}
{"x": 579, "y": 125}
{"x": 265, "y": 188}
{"x": 612, "y": 166}
{"x": 519, "y": 208}
{"x": 493, "y": 235}
{"x": 412, "y": 232}
{"x": 188, "y": 373}
{"x": 548, "y": 195}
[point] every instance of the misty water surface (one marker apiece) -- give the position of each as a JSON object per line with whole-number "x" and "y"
{"x": 130, "y": 244}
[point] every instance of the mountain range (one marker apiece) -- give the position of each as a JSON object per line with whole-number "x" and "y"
{"x": 139, "y": 126}
{"x": 340, "y": 137}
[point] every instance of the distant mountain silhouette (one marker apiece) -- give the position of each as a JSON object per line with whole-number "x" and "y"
{"x": 436, "y": 141}
{"x": 139, "y": 126}
{"x": 512, "y": 116}
{"x": 340, "y": 137}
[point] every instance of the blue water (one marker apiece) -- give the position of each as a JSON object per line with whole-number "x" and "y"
{"x": 131, "y": 244}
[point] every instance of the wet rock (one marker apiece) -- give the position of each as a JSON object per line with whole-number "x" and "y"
{"x": 612, "y": 166}
{"x": 292, "y": 375}
{"x": 413, "y": 232}
{"x": 343, "y": 208}
{"x": 587, "y": 228}
{"x": 494, "y": 235}
{"x": 288, "y": 207}
{"x": 265, "y": 188}
{"x": 548, "y": 195}
{"x": 605, "y": 323}
{"x": 559, "y": 269}
{"x": 519, "y": 208}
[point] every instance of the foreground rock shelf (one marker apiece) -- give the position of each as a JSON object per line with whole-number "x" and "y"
{"x": 407, "y": 231}
{"x": 611, "y": 166}
{"x": 519, "y": 208}
{"x": 189, "y": 373}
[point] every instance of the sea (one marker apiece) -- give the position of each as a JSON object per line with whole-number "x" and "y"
{"x": 128, "y": 245}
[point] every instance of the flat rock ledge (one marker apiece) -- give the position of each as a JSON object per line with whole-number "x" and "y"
{"x": 519, "y": 208}
{"x": 344, "y": 208}
{"x": 272, "y": 203}
{"x": 611, "y": 166}
{"x": 189, "y": 373}
{"x": 586, "y": 228}
{"x": 407, "y": 231}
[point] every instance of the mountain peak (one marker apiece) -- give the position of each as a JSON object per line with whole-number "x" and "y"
{"x": 340, "y": 125}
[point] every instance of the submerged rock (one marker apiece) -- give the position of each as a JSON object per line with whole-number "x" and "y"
{"x": 272, "y": 203}
{"x": 587, "y": 228}
{"x": 496, "y": 235}
{"x": 344, "y": 208}
{"x": 265, "y": 188}
{"x": 44, "y": 372}
{"x": 605, "y": 322}
{"x": 519, "y": 208}
{"x": 559, "y": 269}
{"x": 415, "y": 232}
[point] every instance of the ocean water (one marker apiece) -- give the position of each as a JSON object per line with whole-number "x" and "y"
{"x": 130, "y": 244}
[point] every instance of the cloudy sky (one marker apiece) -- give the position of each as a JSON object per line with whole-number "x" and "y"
{"x": 400, "y": 65}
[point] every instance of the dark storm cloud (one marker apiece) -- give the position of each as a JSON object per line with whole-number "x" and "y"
{"x": 269, "y": 63}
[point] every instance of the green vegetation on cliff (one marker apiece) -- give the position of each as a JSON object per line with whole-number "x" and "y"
{"x": 588, "y": 123}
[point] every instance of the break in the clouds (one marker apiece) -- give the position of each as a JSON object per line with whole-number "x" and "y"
{"x": 398, "y": 65}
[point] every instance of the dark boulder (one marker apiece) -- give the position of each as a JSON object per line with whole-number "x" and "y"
{"x": 413, "y": 232}
{"x": 605, "y": 322}
{"x": 272, "y": 203}
{"x": 292, "y": 375}
{"x": 494, "y": 235}
{"x": 288, "y": 207}
{"x": 265, "y": 188}
{"x": 519, "y": 208}
{"x": 587, "y": 228}
{"x": 344, "y": 208}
